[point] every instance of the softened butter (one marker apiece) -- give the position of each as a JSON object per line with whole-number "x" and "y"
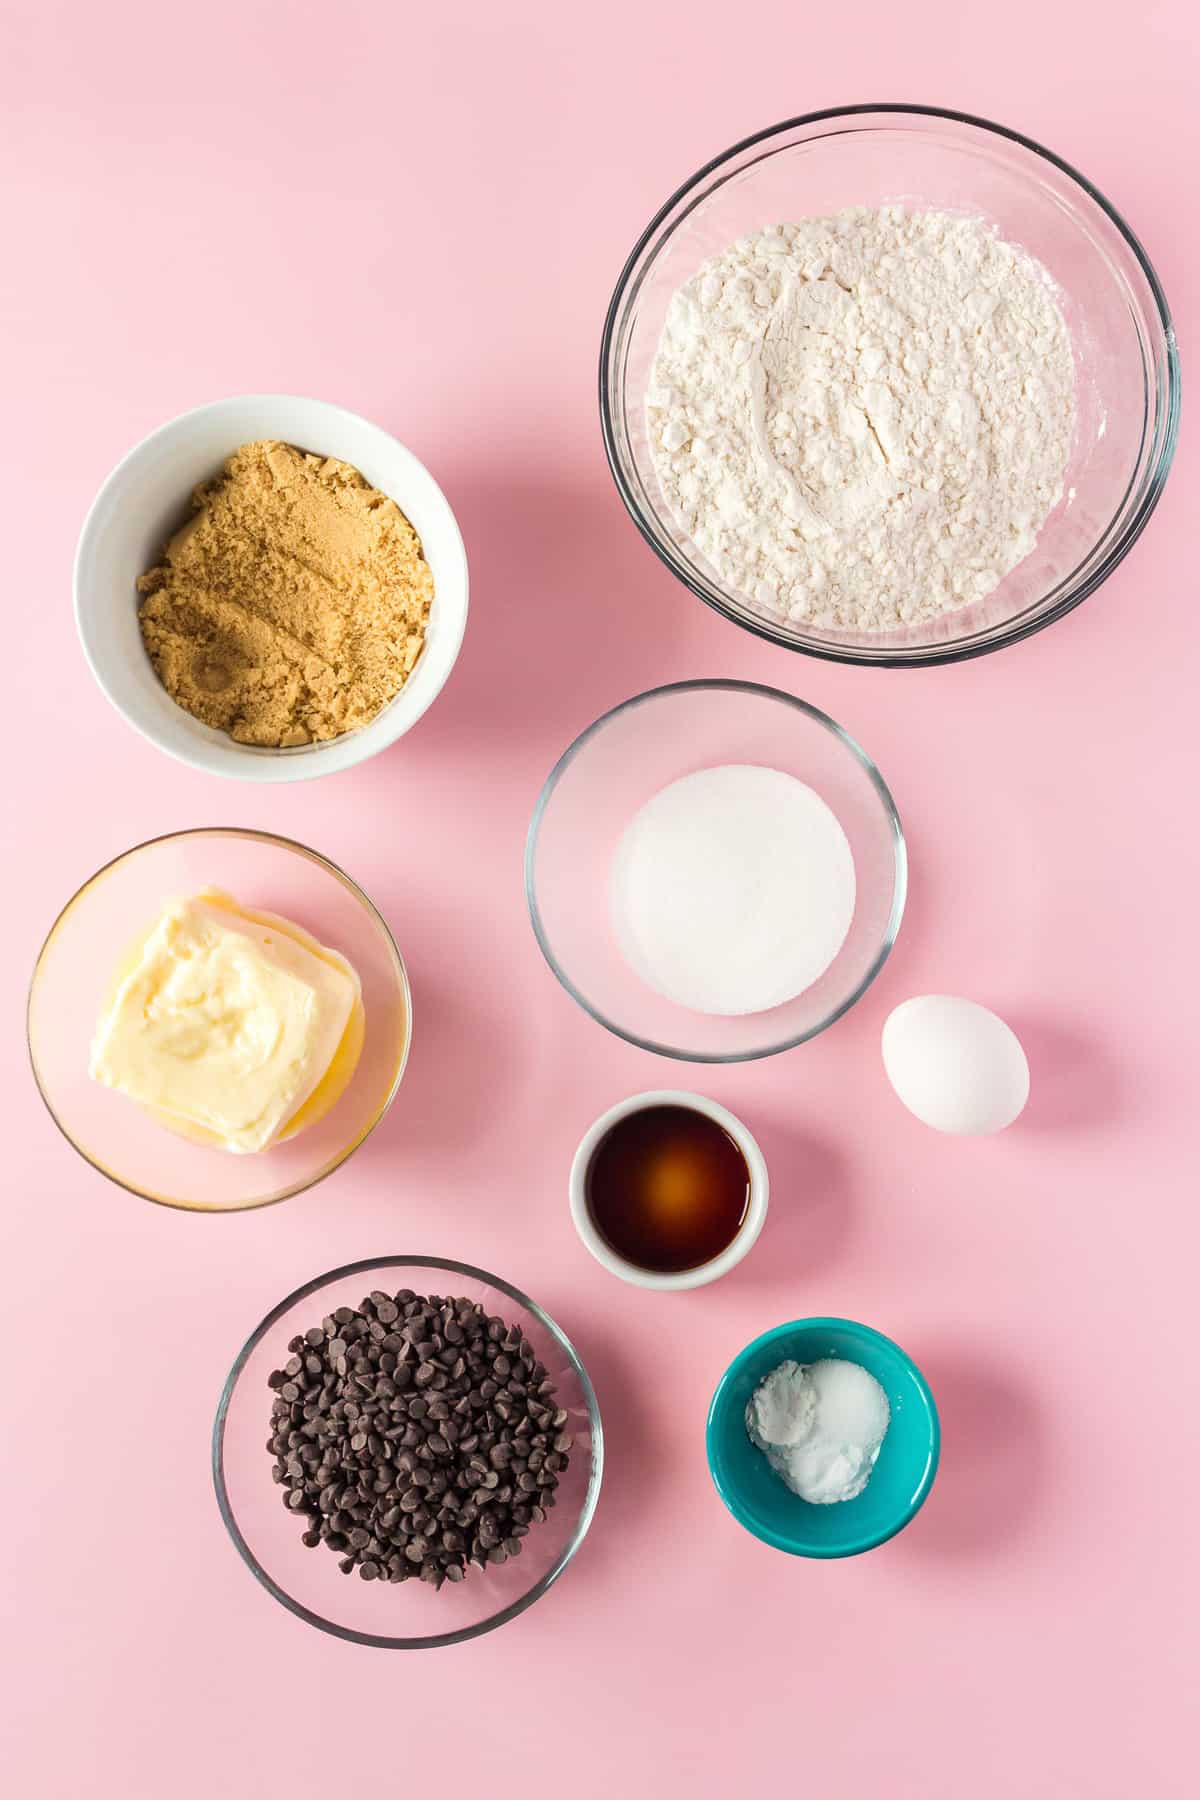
{"x": 230, "y": 1026}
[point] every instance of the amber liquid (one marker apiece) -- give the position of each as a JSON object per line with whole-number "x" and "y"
{"x": 667, "y": 1189}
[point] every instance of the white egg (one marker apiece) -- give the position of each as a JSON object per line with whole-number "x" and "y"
{"x": 955, "y": 1065}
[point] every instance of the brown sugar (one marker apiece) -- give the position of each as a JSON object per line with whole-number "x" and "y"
{"x": 292, "y": 607}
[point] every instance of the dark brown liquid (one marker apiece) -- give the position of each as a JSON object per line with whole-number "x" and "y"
{"x": 667, "y": 1188}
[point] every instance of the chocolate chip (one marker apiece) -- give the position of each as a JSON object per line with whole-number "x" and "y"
{"x": 401, "y": 1483}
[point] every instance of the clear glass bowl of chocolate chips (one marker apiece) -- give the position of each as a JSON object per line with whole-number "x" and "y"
{"x": 407, "y": 1452}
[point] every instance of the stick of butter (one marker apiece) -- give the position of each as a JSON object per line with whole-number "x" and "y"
{"x": 228, "y": 1024}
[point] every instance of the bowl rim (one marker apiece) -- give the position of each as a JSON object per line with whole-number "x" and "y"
{"x": 311, "y": 761}
{"x": 377, "y": 918}
{"x": 883, "y": 793}
{"x": 699, "y": 1274}
{"x": 931, "y": 656}
{"x": 591, "y": 1497}
{"x": 867, "y": 1540}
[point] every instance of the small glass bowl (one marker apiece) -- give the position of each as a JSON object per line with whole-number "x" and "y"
{"x": 408, "y": 1615}
{"x": 1127, "y": 364}
{"x": 613, "y": 768}
{"x": 94, "y": 933}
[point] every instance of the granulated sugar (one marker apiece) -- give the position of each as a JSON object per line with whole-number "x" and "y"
{"x": 864, "y": 420}
{"x": 732, "y": 890}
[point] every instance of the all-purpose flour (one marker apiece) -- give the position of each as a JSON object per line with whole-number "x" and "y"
{"x": 864, "y": 420}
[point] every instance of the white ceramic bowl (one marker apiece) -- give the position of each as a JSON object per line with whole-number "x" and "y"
{"x": 145, "y": 500}
{"x": 751, "y": 1225}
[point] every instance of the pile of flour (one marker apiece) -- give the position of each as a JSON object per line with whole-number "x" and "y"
{"x": 864, "y": 420}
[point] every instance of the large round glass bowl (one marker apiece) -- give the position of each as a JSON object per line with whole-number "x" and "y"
{"x": 611, "y": 771}
{"x": 1127, "y": 366}
{"x": 93, "y": 937}
{"x": 407, "y": 1615}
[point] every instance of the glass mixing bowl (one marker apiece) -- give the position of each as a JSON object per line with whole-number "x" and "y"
{"x": 91, "y": 938}
{"x": 610, "y": 772}
{"x": 1127, "y": 366}
{"x": 408, "y": 1615}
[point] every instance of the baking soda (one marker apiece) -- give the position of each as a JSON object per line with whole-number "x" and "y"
{"x": 732, "y": 890}
{"x": 820, "y": 1426}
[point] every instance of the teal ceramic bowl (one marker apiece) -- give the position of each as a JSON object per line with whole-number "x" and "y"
{"x": 900, "y": 1482}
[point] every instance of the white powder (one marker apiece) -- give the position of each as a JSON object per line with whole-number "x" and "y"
{"x": 820, "y": 1426}
{"x": 732, "y": 890}
{"x": 864, "y": 420}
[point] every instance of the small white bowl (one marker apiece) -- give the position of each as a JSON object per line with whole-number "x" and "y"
{"x": 145, "y": 500}
{"x": 752, "y": 1224}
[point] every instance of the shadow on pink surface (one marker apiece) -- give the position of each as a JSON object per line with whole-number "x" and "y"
{"x": 632, "y": 1468}
{"x": 809, "y": 1220}
{"x": 991, "y": 1479}
{"x": 925, "y": 902}
{"x": 1074, "y": 1080}
{"x": 463, "y": 1065}
{"x": 558, "y": 573}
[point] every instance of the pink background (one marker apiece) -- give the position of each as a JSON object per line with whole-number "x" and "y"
{"x": 420, "y": 213}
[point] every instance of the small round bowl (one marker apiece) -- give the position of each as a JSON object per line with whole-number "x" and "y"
{"x": 613, "y": 768}
{"x": 146, "y": 499}
{"x": 1127, "y": 365}
{"x": 703, "y": 1273}
{"x": 93, "y": 935}
{"x": 409, "y": 1615}
{"x": 900, "y": 1481}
